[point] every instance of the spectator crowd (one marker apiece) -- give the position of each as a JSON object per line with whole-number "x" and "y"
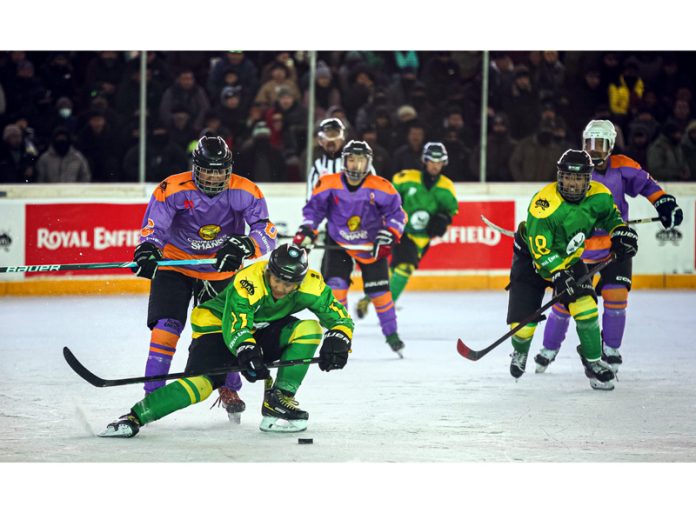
{"x": 74, "y": 116}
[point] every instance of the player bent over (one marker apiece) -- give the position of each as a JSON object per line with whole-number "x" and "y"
{"x": 623, "y": 177}
{"x": 547, "y": 251}
{"x": 251, "y": 324}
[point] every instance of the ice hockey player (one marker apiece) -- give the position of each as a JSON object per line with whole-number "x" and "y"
{"x": 429, "y": 199}
{"x": 359, "y": 208}
{"x": 547, "y": 250}
{"x": 623, "y": 177}
{"x": 251, "y": 324}
{"x": 198, "y": 214}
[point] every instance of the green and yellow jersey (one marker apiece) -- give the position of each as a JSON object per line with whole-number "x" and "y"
{"x": 556, "y": 230}
{"x": 247, "y": 304}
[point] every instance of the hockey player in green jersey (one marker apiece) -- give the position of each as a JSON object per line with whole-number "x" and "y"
{"x": 547, "y": 251}
{"x": 251, "y": 324}
{"x": 429, "y": 199}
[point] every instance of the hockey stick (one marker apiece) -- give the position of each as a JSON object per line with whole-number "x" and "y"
{"x": 509, "y": 233}
{"x": 472, "y": 355}
{"x": 102, "y": 265}
{"x": 95, "y": 380}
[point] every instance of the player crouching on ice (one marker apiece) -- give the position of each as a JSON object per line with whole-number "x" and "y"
{"x": 547, "y": 252}
{"x": 251, "y": 324}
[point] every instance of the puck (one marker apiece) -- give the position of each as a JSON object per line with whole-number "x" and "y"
{"x": 303, "y": 441}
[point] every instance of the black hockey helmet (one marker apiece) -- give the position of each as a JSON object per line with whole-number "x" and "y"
{"x": 574, "y": 173}
{"x": 435, "y": 152}
{"x": 212, "y": 165}
{"x": 357, "y": 149}
{"x": 288, "y": 263}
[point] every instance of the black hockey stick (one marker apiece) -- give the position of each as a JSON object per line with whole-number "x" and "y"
{"x": 472, "y": 355}
{"x": 95, "y": 380}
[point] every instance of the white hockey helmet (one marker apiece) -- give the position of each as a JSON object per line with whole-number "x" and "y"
{"x": 598, "y": 140}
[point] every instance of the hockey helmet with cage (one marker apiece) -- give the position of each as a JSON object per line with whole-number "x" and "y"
{"x": 331, "y": 130}
{"x": 574, "y": 172}
{"x": 360, "y": 166}
{"x": 598, "y": 140}
{"x": 288, "y": 263}
{"x": 435, "y": 152}
{"x": 212, "y": 165}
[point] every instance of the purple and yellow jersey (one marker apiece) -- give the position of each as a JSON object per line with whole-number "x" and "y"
{"x": 623, "y": 176}
{"x": 355, "y": 217}
{"x": 187, "y": 224}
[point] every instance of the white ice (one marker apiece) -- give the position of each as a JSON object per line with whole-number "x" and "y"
{"x": 432, "y": 406}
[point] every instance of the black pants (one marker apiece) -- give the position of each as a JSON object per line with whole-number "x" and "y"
{"x": 339, "y": 264}
{"x": 171, "y": 293}
{"x": 210, "y": 352}
{"x": 406, "y": 252}
{"x": 617, "y": 273}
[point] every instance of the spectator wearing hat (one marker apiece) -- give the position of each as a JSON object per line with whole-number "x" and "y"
{"x": 280, "y": 81}
{"x": 293, "y": 122}
{"x": 285, "y": 58}
{"x": 258, "y": 160}
{"x": 17, "y": 156}
{"x": 101, "y": 145}
{"x": 638, "y": 141}
{"x": 666, "y": 160}
{"x": 688, "y": 146}
{"x": 64, "y": 114}
{"x": 366, "y": 113}
{"x": 26, "y": 94}
{"x": 181, "y": 129}
{"x": 386, "y": 134}
{"x": 162, "y": 158}
{"x": 501, "y": 75}
{"x": 534, "y": 158}
{"x": 522, "y": 105}
{"x": 499, "y": 149}
{"x": 231, "y": 113}
{"x": 549, "y": 77}
{"x": 61, "y": 162}
{"x": 245, "y": 71}
{"x": 58, "y": 76}
{"x": 185, "y": 93}
{"x": 399, "y": 90}
{"x": 326, "y": 92}
{"x": 625, "y": 93}
{"x": 408, "y": 156}
{"x": 440, "y": 74}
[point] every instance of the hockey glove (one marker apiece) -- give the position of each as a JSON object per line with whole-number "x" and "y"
{"x": 384, "y": 240}
{"x": 250, "y": 358}
{"x": 624, "y": 242}
{"x": 564, "y": 283}
{"x": 437, "y": 226}
{"x": 146, "y": 256}
{"x": 230, "y": 256}
{"x": 670, "y": 213}
{"x": 304, "y": 237}
{"x": 334, "y": 350}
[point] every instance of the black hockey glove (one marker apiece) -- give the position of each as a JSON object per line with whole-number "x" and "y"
{"x": 334, "y": 350}
{"x": 146, "y": 256}
{"x": 670, "y": 213}
{"x": 564, "y": 282}
{"x": 250, "y": 358}
{"x": 384, "y": 240}
{"x": 437, "y": 226}
{"x": 229, "y": 257}
{"x": 624, "y": 242}
{"x": 304, "y": 237}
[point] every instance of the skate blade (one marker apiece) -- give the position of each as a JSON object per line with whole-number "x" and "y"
{"x": 277, "y": 425}
{"x": 599, "y": 385}
{"x": 235, "y": 417}
{"x": 540, "y": 369}
{"x": 401, "y": 355}
{"x": 122, "y": 432}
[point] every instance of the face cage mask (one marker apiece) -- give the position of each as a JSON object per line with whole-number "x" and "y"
{"x": 358, "y": 174}
{"x": 211, "y": 187}
{"x": 599, "y": 145}
{"x": 573, "y": 196}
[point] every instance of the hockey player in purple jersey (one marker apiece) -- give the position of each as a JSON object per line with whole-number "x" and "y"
{"x": 359, "y": 208}
{"x": 622, "y": 176}
{"x": 198, "y": 214}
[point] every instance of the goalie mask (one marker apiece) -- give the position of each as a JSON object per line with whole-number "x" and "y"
{"x": 212, "y": 165}
{"x": 598, "y": 140}
{"x": 574, "y": 173}
{"x": 357, "y": 160}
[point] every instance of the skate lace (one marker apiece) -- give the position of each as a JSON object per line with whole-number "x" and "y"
{"x": 226, "y": 397}
{"x": 287, "y": 401}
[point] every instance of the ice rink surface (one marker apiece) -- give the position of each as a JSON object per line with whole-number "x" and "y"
{"x": 432, "y": 406}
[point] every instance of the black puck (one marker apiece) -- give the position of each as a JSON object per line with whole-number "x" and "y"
{"x": 303, "y": 441}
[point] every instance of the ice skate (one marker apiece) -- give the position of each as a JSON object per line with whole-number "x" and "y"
{"x": 233, "y": 404}
{"x": 396, "y": 344}
{"x": 612, "y": 356}
{"x": 599, "y": 373}
{"x": 544, "y": 359}
{"x": 362, "y": 307}
{"x": 127, "y": 426}
{"x": 281, "y": 413}
{"x": 518, "y": 364}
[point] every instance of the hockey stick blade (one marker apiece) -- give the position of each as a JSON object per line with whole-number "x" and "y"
{"x": 96, "y": 381}
{"x": 497, "y": 228}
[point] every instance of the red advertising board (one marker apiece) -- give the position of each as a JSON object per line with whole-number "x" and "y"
{"x": 82, "y": 233}
{"x": 469, "y": 243}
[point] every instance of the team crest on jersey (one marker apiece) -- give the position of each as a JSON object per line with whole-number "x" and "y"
{"x": 419, "y": 219}
{"x": 575, "y": 243}
{"x": 148, "y": 229}
{"x": 248, "y": 286}
{"x": 209, "y": 231}
{"x": 354, "y": 223}
{"x": 542, "y": 203}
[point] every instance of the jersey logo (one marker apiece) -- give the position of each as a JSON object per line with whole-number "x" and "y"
{"x": 411, "y": 191}
{"x": 209, "y": 231}
{"x": 419, "y": 219}
{"x": 248, "y": 286}
{"x": 542, "y": 203}
{"x": 353, "y": 223}
{"x": 575, "y": 243}
{"x": 188, "y": 204}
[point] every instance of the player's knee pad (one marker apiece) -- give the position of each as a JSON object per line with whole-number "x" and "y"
{"x": 306, "y": 332}
{"x": 615, "y": 298}
{"x": 525, "y": 333}
{"x": 198, "y": 388}
{"x": 585, "y": 308}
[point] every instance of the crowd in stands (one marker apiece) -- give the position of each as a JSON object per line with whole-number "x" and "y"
{"x": 74, "y": 116}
